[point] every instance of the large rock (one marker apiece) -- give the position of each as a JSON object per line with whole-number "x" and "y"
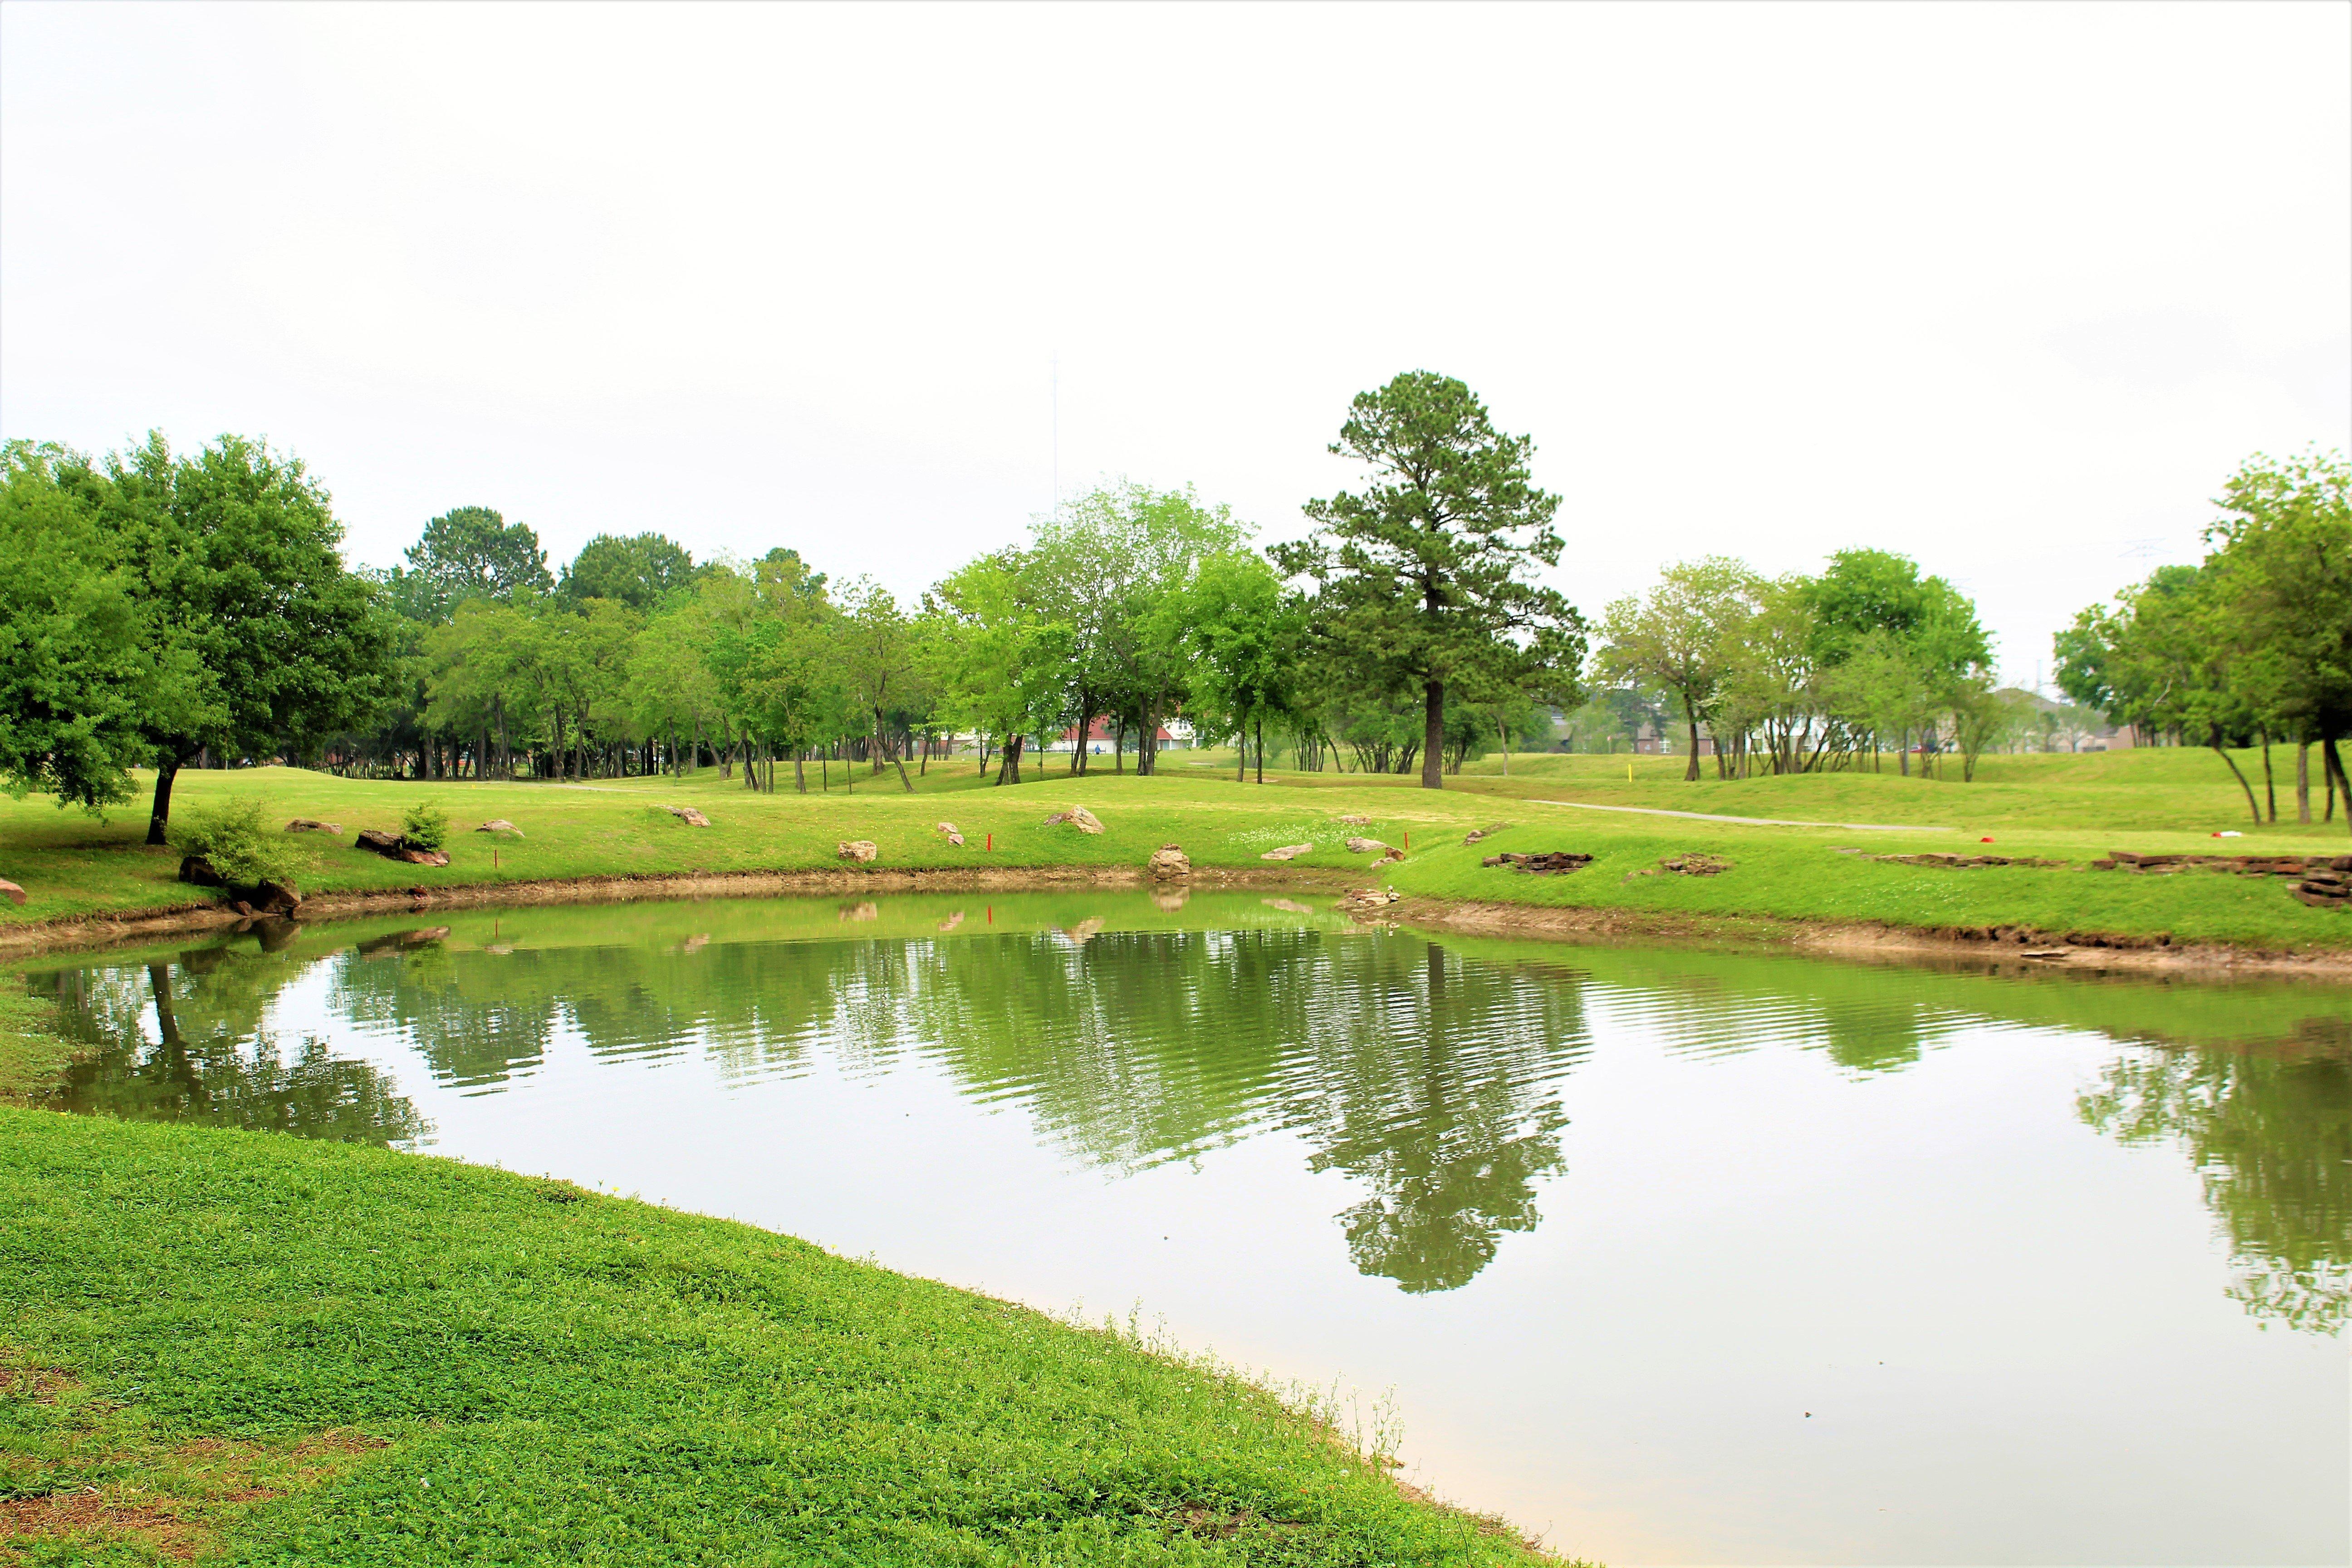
{"x": 380, "y": 842}
{"x": 311, "y": 825}
{"x": 1366, "y": 846}
{"x": 688, "y": 816}
{"x": 275, "y": 898}
{"x": 1077, "y": 816}
{"x": 1288, "y": 852}
{"x": 197, "y": 872}
{"x": 499, "y": 825}
{"x": 10, "y": 891}
{"x": 416, "y": 856}
{"x": 862, "y": 850}
{"x": 1169, "y": 861}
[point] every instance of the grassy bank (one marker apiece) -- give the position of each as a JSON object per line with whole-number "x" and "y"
{"x": 2063, "y": 808}
{"x": 308, "y": 1352}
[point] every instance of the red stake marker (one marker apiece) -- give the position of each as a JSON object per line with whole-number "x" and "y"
{"x": 991, "y": 842}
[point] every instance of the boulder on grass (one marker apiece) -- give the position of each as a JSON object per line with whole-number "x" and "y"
{"x": 1366, "y": 846}
{"x": 10, "y": 891}
{"x": 861, "y": 850}
{"x": 380, "y": 843}
{"x": 416, "y": 856}
{"x": 1168, "y": 860}
{"x": 1353, "y": 820}
{"x": 952, "y": 834}
{"x": 1077, "y": 816}
{"x": 197, "y": 872}
{"x": 311, "y": 825}
{"x": 275, "y": 898}
{"x": 1288, "y": 852}
{"x": 688, "y": 816}
{"x": 499, "y": 825}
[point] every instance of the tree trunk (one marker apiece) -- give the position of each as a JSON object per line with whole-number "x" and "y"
{"x": 1118, "y": 747}
{"x": 1241, "y": 754}
{"x": 2303, "y": 782}
{"x": 1432, "y": 735}
{"x": 2270, "y": 785}
{"x": 2252, "y": 809}
{"x": 800, "y": 773}
{"x": 159, "y": 816}
{"x": 1690, "y": 715}
{"x": 1261, "y": 748}
{"x": 2335, "y": 773}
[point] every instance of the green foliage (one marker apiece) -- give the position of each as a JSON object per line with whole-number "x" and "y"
{"x": 236, "y": 840}
{"x": 470, "y": 553}
{"x": 640, "y": 571}
{"x": 1423, "y": 576}
{"x": 87, "y": 672}
{"x": 424, "y": 826}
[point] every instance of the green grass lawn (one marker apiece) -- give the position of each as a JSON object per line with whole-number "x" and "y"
{"x": 2057, "y": 807}
{"x": 305, "y": 1353}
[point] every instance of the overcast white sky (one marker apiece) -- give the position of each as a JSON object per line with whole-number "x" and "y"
{"x": 2011, "y": 288}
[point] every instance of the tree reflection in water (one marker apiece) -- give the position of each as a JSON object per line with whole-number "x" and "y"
{"x": 208, "y": 1060}
{"x": 2269, "y": 1132}
{"x": 1427, "y": 1075}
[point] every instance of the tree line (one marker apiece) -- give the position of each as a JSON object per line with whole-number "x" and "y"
{"x": 2250, "y": 647}
{"x": 166, "y": 610}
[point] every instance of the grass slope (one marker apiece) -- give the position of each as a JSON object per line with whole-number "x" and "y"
{"x": 2069, "y": 808}
{"x": 313, "y": 1352}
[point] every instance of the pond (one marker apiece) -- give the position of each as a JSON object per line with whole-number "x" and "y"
{"x": 1673, "y": 1256}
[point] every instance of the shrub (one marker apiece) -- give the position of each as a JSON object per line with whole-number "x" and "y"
{"x": 234, "y": 840}
{"x": 424, "y": 828}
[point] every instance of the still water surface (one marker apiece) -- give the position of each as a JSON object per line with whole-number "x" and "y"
{"x": 1670, "y": 1255}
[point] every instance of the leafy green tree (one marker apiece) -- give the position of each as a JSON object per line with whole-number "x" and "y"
{"x": 238, "y": 555}
{"x": 469, "y": 552}
{"x": 997, "y": 655}
{"x": 85, "y": 671}
{"x": 1681, "y": 638}
{"x": 1248, "y": 632}
{"x": 2283, "y": 595}
{"x": 1422, "y": 575}
{"x": 639, "y": 571}
{"x": 1112, "y": 570}
{"x": 880, "y": 660}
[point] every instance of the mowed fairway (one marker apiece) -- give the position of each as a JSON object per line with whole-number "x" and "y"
{"x": 2055, "y": 807}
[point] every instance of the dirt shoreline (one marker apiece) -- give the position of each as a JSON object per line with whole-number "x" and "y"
{"x": 2004, "y": 946}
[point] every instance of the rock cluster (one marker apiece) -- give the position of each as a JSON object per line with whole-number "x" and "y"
{"x": 1550, "y": 863}
{"x": 263, "y": 898}
{"x": 949, "y": 831}
{"x": 1477, "y": 833}
{"x": 393, "y": 846}
{"x": 2327, "y": 886}
{"x": 1367, "y": 900}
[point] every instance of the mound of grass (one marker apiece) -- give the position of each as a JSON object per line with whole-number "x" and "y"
{"x": 311, "y": 1352}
